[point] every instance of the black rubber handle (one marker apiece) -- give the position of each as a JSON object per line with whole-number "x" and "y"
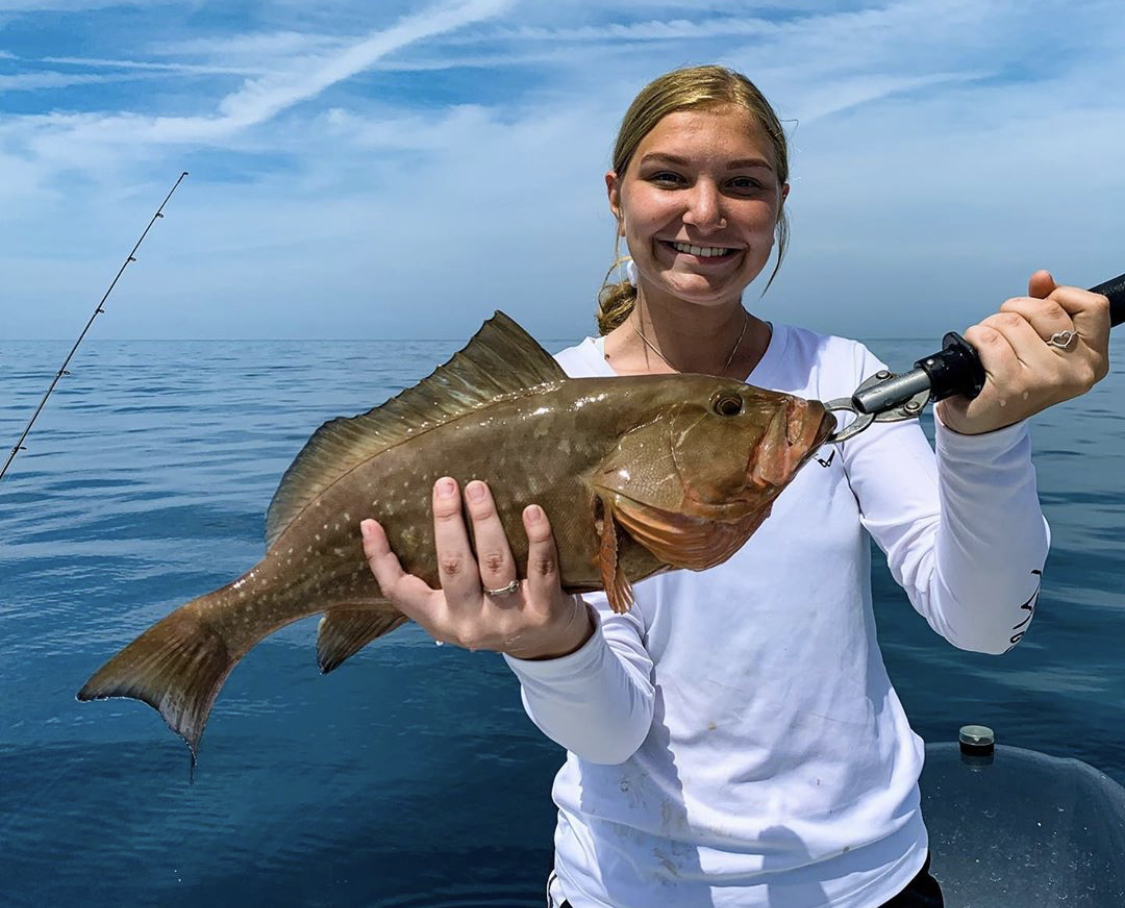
{"x": 957, "y": 369}
{"x": 1114, "y": 288}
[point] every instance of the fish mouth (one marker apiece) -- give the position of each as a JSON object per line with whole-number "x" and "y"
{"x": 792, "y": 439}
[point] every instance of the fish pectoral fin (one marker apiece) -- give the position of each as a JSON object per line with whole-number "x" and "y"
{"x": 617, "y": 587}
{"x": 345, "y": 630}
{"x": 683, "y": 541}
{"x": 177, "y": 666}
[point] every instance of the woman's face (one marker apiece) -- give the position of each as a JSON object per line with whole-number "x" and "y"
{"x": 698, "y": 204}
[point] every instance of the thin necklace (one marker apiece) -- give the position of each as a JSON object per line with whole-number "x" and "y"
{"x": 730, "y": 356}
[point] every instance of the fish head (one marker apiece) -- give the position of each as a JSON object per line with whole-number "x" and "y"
{"x": 696, "y": 477}
{"x": 736, "y": 445}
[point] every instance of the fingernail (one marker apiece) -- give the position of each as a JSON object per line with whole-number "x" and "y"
{"x": 367, "y": 528}
{"x": 475, "y": 490}
{"x": 534, "y": 513}
{"x": 446, "y": 487}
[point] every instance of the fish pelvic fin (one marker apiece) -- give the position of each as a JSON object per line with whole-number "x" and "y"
{"x": 177, "y": 667}
{"x": 344, "y": 631}
{"x": 617, "y": 587}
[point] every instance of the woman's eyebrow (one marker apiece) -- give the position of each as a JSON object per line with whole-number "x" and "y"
{"x": 739, "y": 164}
{"x": 743, "y": 163}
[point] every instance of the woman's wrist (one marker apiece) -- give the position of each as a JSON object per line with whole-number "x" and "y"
{"x": 567, "y": 638}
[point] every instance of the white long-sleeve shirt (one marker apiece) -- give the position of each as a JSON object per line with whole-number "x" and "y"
{"x": 734, "y": 740}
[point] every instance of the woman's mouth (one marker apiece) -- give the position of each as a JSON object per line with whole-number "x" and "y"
{"x": 703, "y": 253}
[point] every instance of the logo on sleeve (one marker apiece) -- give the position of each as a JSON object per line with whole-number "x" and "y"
{"x": 1028, "y": 607}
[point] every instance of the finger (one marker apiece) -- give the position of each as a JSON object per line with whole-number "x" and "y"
{"x": 1045, "y": 315}
{"x": 995, "y": 352}
{"x": 543, "y": 580}
{"x": 1026, "y": 342}
{"x": 412, "y": 595}
{"x": 460, "y": 580}
{"x": 494, "y": 555}
{"x": 1089, "y": 312}
{"x": 1041, "y": 284}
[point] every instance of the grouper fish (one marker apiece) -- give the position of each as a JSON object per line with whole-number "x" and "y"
{"x": 638, "y": 475}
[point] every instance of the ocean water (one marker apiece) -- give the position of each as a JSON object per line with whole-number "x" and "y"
{"x": 410, "y": 777}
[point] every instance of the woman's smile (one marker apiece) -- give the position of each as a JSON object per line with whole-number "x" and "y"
{"x": 702, "y": 254}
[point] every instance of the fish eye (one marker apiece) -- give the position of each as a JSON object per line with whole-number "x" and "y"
{"x": 726, "y": 403}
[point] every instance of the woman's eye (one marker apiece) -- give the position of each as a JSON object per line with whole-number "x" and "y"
{"x": 746, "y": 183}
{"x": 665, "y": 177}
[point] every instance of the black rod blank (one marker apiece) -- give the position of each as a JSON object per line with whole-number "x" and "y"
{"x": 98, "y": 310}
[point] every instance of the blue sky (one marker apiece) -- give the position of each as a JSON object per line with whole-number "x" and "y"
{"x": 394, "y": 169}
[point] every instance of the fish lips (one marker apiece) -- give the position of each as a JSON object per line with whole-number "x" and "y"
{"x": 795, "y": 434}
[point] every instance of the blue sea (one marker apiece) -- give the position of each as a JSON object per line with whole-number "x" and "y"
{"x": 410, "y": 777}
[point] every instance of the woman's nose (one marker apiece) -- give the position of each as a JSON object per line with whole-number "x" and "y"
{"x": 705, "y": 209}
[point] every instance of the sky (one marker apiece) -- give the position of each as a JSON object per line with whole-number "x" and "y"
{"x": 394, "y": 169}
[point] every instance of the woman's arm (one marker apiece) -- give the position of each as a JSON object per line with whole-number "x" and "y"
{"x": 963, "y": 532}
{"x": 965, "y": 535}
{"x": 597, "y": 702}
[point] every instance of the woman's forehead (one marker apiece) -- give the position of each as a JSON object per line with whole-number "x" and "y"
{"x": 723, "y": 132}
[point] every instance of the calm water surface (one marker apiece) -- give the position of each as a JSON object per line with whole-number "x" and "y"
{"x": 411, "y": 777}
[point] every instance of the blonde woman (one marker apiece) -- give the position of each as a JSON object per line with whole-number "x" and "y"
{"x": 734, "y": 740}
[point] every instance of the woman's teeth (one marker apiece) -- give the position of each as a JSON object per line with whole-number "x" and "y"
{"x": 703, "y": 251}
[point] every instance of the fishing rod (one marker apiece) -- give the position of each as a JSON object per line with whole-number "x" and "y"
{"x": 98, "y": 310}
{"x": 955, "y": 369}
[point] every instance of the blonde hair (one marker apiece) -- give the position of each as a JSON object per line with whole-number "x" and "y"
{"x": 687, "y": 89}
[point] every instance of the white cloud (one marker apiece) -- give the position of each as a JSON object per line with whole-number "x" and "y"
{"x": 68, "y": 137}
{"x": 53, "y": 80}
{"x": 183, "y": 68}
{"x": 37, "y": 6}
{"x": 268, "y": 44}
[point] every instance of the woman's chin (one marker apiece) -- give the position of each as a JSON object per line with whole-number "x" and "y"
{"x": 699, "y": 290}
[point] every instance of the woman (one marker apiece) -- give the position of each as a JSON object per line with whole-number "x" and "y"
{"x": 734, "y": 740}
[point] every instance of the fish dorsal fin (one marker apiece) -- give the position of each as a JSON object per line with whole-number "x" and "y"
{"x": 500, "y": 360}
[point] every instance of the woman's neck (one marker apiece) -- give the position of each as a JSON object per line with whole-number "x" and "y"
{"x": 664, "y": 336}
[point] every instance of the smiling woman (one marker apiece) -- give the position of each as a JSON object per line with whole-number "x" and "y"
{"x": 734, "y": 739}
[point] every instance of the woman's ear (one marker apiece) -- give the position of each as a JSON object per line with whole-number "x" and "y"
{"x": 613, "y": 191}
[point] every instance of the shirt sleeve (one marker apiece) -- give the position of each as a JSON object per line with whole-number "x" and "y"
{"x": 596, "y": 702}
{"x": 963, "y": 531}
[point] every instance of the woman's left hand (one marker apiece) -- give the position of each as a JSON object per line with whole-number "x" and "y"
{"x": 1024, "y": 374}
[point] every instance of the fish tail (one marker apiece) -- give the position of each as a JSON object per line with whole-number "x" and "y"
{"x": 177, "y": 667}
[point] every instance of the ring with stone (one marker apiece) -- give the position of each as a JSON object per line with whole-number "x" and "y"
{"x": 505, "y": 590}
{"x": 1061, "y": 340}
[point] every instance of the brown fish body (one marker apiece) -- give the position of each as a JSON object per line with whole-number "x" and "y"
{"x": 638, "y": 474}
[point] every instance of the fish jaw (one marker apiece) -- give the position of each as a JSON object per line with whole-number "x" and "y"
{"x": 794, "y": 436}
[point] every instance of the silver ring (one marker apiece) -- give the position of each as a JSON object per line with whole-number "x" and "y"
{"x": 505, "y": 590}
{"x": 1061, "y": 340}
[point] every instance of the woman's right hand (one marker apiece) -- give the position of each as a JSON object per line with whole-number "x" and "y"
{"x": 537, "y": 620}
